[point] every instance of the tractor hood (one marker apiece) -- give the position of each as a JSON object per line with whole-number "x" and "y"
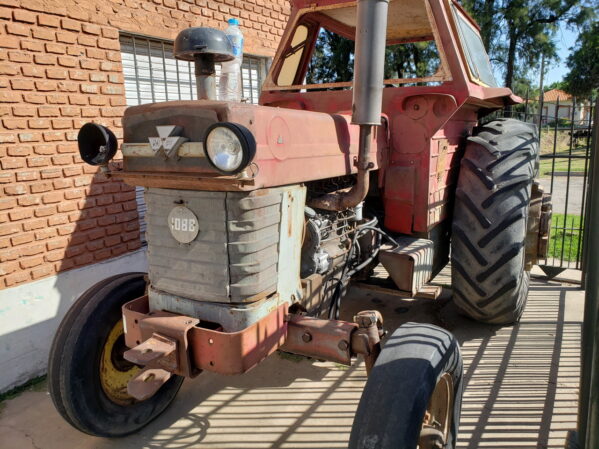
{"x": 163, "y": 145}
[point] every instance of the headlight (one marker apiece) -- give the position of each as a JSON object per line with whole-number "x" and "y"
{"x": 97, "y": 144}
{"x": 229, "y": 147}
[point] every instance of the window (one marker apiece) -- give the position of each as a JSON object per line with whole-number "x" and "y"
{"x": 153, "y": 74}
{"x": 478, "y": 60}
{"x": 319, "y": 54}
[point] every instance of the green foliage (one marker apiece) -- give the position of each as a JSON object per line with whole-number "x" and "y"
{"x": 332, "y": 59}
{"x": 415, "y": 60}
{"x": 583, "y": 78}
{"x": 518, "y": 32}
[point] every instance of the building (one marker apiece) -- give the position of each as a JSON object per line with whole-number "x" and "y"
{"x": 63, "y": 225}
{"x": 561, "y": 105}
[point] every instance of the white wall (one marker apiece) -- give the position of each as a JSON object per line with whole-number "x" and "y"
{"x": 31, "y": 313}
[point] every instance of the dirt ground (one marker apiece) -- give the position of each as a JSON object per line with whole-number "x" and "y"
{"x": 521, "y": 388}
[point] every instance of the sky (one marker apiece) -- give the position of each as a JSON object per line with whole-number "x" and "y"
{"x": 565, "y": 38}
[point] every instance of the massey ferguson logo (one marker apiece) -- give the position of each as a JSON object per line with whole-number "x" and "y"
{"x": 168, "y": 141}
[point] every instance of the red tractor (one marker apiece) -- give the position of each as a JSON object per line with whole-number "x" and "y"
{"x": 259, "y": 215}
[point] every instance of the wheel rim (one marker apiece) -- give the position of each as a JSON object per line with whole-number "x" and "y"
{"x": 436, "y": 424}
{"x": 115, "y": 371}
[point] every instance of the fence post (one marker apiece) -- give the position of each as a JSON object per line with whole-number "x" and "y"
{"x": 588, "y": 412}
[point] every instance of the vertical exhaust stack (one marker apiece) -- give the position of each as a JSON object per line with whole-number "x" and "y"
{"x": 205, "y": 47}
{"x": 369, "y": 68}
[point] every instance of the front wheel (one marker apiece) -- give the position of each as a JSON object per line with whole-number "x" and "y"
{"x": 414, "y": 393}
{"x": 87, "y": 373}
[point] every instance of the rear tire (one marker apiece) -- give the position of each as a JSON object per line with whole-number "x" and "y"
{"x": 490, "y": 219}
{"x": 77, "y": 366}
{"x": 416, "y": 380}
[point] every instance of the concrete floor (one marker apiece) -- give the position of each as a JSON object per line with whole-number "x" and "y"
{"x": 521, "y": 388}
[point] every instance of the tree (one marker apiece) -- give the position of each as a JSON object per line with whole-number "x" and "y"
{"x": 517, "y": 32}
{"x": 583, "y": 77}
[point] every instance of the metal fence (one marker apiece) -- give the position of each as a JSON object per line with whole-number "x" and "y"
{"x": 565, "y": 130}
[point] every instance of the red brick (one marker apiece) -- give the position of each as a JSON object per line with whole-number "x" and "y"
{"x": 45, "y": 211}
{"x": 39, "y": 123}
{"x": 72, "y": 171}
{"x": 50, "y": 173}
{"x": 62, "y": 160}
{"x": 8, "y": 69}
{"x": 57, "y": 243}
{"x": 58, "y": 220}
{"x": 55, "y": 255}
{"x": 35, "y": 98}
{"x": 87, "y": 41}
{"x": 44, "y": 59}
{"x": 8, "y": 163}
{"x": 18, "y": 29}
{"x": 31, "y": 262}
{"x": 53, "y": 197}
{"x": 47, "y": 20}
{"x": 67, "y": 61}
{"x": 20, "y": 214}
{"x": 45, "y": 86}
{"x": 7, "y": 203}
{"x": 29, "y": 200}
{"x": 45, "y": 234}
{"x": 102, "y": 254}
{"x": 20, "y": 15}
{"x": 32, "y": 250}
{"x": 16, "y": 278}
{"x": 53, "y": 136}
{"x": 19, "y": 150}
{"x": 62, "y": 183}
{"x": 32, "y": 225}
{"x": 67, "y": 86}
{"x": 44, "y": 34}
{"x": 22, "y": 239}
{"x": 69, "y": 24}
{"x": 89, "y": 64}
{"x": 29, "y": 137}
{"x": 8, "y": 268}
{"x": 33, "y": 71}
{"x": 41, "y": 187}
{"x": 16, "y": 189}
{"x": 59, "y": 49}
{"x": 10, "y": 42}
{"x": 14, "y": 123}
{"x": 84, "y": 259}
{"x": 32, "y": 46}
{"x": 66, "y": 37}
{"x": 22, "y": 84}
{"x": 56, "y": 98}
{"x": 40, "y": 272}
{"x": 24, "y": 111}
{"x": 9, "y": 97}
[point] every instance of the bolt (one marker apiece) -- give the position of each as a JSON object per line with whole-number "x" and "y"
{"x": 343, "y": 345}
{"x": 307, "y": 337}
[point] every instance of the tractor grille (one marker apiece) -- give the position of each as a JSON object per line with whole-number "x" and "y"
{"x": 234, "y": 257}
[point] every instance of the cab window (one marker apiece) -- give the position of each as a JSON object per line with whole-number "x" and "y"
{"x": 474, "y": 49}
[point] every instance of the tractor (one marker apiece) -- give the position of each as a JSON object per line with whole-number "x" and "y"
{"x": 258, "y": 217}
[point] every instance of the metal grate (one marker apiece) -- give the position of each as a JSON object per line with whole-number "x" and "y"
{"x": 565, "y": 130}
{"x": 152, "y": 74}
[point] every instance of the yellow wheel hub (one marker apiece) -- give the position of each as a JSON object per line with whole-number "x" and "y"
{"x": 115, "y": 371}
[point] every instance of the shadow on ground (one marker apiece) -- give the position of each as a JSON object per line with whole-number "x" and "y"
{"x": 521, "y": 388}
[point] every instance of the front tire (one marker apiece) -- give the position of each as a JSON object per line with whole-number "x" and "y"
{"x": 87, "y": 374}
{"x": 490, "y": 219}
{"x": 414, "y": 393}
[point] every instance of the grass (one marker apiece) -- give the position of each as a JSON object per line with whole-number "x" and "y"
{"x": 566, "y": 236}
{"x": 562, "y": 148}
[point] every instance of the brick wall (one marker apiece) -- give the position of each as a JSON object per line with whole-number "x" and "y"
{"x": 59, "y": 68}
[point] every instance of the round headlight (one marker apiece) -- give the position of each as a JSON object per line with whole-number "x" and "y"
{"x": 229, "y": 147}
{"x": 97, "y": 144}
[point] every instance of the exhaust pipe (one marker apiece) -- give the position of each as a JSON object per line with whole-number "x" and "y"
{"x": 369, "y": 67}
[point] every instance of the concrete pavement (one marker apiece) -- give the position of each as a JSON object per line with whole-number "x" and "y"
{"x": 521, "y": 388}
